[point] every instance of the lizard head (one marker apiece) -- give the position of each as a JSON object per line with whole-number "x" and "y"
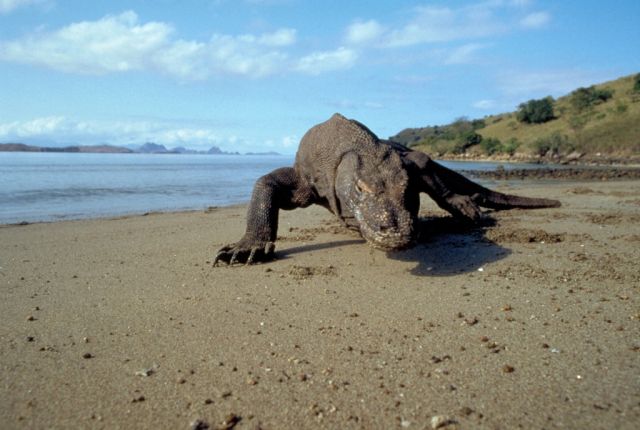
{"x": 371, "y": 189}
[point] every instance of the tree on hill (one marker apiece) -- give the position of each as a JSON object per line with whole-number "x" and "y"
{"x": 536, "y": 111}
{"x": 584, "y": 98}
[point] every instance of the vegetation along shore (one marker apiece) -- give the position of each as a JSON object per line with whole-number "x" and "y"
{"x": 595, "y": 125}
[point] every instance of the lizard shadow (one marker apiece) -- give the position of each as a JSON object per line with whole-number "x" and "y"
{"x": 284, "y": 254}
{"x": 447, "y": 247}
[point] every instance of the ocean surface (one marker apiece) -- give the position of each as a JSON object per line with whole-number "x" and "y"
{"x": 58, "y": 186}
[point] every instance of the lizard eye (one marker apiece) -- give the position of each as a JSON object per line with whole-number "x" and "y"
{"x": 362, "y": 187}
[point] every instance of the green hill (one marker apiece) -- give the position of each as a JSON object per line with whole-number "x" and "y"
{"x": 603, "y": 119}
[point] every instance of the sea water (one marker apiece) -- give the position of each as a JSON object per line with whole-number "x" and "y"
{"x": 57, "y": 186}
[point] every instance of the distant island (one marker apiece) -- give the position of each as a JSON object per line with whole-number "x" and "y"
{"x": 147, "y": 148}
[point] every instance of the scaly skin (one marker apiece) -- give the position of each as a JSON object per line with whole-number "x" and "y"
{"x": 371, "y": 185}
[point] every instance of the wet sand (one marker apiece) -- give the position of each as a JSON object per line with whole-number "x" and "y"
{"x": 532, "y": 322}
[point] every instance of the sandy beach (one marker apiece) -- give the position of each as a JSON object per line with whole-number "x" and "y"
{"x": 529, "y": 322}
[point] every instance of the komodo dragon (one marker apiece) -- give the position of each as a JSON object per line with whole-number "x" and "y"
{"x": 371, "y": 185}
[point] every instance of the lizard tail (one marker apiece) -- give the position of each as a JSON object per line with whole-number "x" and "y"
{"x": 487, "y": 198}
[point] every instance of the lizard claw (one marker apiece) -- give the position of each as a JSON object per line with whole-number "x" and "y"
{"x": 222, "y": 255}
{"x": 234, "y": 258}
{"x": 245, "y": 252}
{"x": 252, "y": 256}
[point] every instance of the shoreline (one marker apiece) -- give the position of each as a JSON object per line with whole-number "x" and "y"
{"x": 556, "y": 173}
{"x": 124, "y": 323}
{"x": 572, "y": 159}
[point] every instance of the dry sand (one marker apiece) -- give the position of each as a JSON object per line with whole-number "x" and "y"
{"x": 531, "y": 323}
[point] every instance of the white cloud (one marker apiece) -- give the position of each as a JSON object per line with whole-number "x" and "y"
{"x": 551, "y": 82}
{"x": 7, "y": 6}
{"x": 282, "y": 37}
{"x": 111, "y": 44}
{"x": 241, "y": 56}
{"x": 35, "y": 127}
{"x": 289, "y": 141}
{"x": 61, "y": 129}
{"x": 364, "y": 32}
{"x": 463, "y": 54}
{"x": 485, "y": 104}
{"x": 433, "y": 24}
{"x": 120, "y": 43}
{"x": 535, "y": 20}
{"x": 326, "y": 61}
{"x": 441, "y": 24}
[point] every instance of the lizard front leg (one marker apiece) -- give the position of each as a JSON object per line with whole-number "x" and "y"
{"x": 280, "y": 189}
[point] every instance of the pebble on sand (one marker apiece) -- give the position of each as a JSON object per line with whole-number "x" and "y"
{"x": 199, "y": 425}
{"x": 146, "y": 372}
{"x": 438, "y": 421}
{"x": 508, "y": 369}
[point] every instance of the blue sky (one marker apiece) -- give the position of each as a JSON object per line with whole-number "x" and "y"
{"x": 254, "y": 75}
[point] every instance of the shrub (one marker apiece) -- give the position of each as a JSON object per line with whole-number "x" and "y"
{"x": 465, "y": 141}
{"x": 554, "y": 143}
{"x": 636, "y": 83}
{"x": 491, "y": 145}
{"x": 536, "y": 111}
{"x": 584, "y": 98}
{"x": 511, "y": 146}
{"x": 621, "y": 107}
{"x": 478, "y": 124}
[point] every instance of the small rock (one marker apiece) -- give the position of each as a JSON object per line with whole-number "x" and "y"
{"x": 508, "y": 369}
{"x": 30, "y": 338}
{"x": 199, "y": 425}
{"x": 466, "y": 411}
{"x": 471, "y": 321}
{"x": 87, "y": 355}
{"x": 230, "y": 421}
{"x": 146, "y": 372}
{"x": 31, "y": 318}
{"x": 438, "y": 421}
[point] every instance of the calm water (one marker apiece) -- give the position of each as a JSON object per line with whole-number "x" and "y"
{"x": 54, "y": 186}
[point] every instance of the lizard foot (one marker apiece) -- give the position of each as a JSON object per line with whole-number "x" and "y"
{"x": 245, "y": 252}
{"x": 462, "y": 206}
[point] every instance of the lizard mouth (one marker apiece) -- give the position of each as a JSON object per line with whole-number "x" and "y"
{"x": 384, "y": 226}
{"x": 386, "y": 239}
{"x": 390, "y": 242}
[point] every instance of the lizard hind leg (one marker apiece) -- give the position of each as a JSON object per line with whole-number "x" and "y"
{"x": 460, "y": 196}
{"x": 481, "y": 196}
